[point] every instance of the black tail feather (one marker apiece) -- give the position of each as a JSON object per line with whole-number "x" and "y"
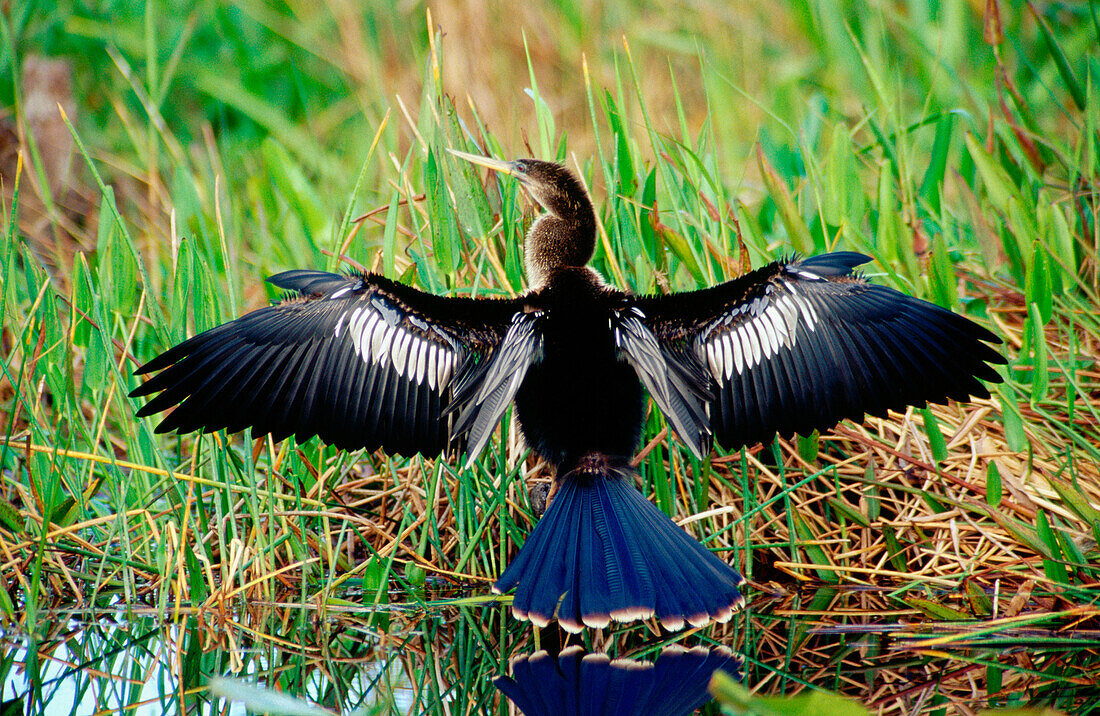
{"x": 603, "y": 552}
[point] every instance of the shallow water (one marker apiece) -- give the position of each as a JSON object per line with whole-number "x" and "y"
{"x": 444, "y": 659}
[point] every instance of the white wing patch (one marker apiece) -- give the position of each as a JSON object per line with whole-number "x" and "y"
{"x": 342, "y": 291}
{"x": 421, "y": 362}
{"x": 732, "y": 354}
{"x": 378, "y": 338}
{"x": 401, "y": 351}
{"x": 758, "y": 330}
{"x": 433, "y": 353}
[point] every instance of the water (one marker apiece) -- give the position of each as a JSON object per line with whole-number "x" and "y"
{"x": 449, "y": 658}
{"x": 443, "y": 661}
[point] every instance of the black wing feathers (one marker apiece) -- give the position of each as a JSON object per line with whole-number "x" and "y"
{"x": 798, "y": 346}
{"x": 361, "y": 361}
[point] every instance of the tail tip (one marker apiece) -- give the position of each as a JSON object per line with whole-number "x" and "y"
{"x": 632, "y": 614}
{"x": 602, "y": 620}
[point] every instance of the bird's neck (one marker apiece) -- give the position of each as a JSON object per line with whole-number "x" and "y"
{"x": 554, "y": 243}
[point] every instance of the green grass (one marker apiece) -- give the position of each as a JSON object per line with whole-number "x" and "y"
{"x": 945, "y": 556}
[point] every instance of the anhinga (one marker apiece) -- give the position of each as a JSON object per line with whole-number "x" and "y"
{"x": 366, "y": 362}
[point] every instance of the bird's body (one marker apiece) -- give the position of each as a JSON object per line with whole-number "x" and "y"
{"x": 366, "y": 362}
{"x": 580, "y": 397}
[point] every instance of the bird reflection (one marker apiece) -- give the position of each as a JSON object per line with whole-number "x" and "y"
{"x": 595, "y": 685}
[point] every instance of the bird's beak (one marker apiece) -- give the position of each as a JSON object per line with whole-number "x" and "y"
{"x": 495, "y": 164}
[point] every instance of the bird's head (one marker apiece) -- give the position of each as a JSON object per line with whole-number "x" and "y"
{"x": 566, "y": 234}
{"x": 553, "y": 186}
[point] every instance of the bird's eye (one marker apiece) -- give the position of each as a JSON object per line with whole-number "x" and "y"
{"x": 520, "y": 167}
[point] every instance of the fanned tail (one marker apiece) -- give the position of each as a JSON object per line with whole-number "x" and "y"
{"x": 603, "y": 552}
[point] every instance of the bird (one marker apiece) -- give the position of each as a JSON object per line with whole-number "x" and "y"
{"x": 366, "y": 362}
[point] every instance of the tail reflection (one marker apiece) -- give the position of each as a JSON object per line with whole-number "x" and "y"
{"x": 595, "y": 685}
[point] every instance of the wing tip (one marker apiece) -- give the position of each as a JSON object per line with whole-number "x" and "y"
{"x": 309, "y": 282}
{"x": 834, "y": 264}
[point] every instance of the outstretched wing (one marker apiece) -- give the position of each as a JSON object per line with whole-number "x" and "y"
{"x": 798, "y": 346}
{"x": 361, "y": 361}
